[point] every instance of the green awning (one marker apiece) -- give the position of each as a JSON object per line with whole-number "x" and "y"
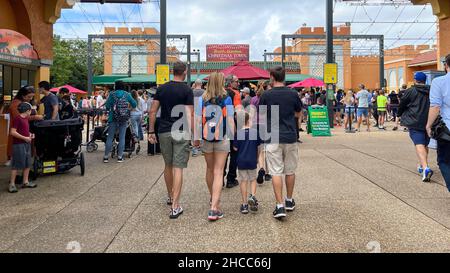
{"x": 106, "y": 79}
{"x": 299, "y": 77}
{"x": 111, "y": 79}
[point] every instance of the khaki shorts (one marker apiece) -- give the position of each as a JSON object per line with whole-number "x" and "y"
{"x": 282, "y": 159}
{"x": 175, "y": 149}
{"x": 220, "y": 146}
{"x": 247, "y": 175}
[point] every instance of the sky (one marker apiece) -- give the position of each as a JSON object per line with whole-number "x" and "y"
{"x": 259, "y": 23}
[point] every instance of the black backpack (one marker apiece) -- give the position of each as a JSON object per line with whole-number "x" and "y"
{"x": 121, "y": 111}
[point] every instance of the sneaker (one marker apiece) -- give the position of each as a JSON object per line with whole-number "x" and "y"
{"x": 395, "y": 128}
{"x": 175, "y": 213}
{"x": 290, "y": 205}
{"x": 232, "y": 184}
{"x": 214, "y": 215}
{"x": 420, "y": 169}
{"x": 427, "y": 174}
{"x": 261, "y": 175}
{"x": 268, "y": 177}
{"x": 120, "y": 160}
{"x": 12, "y": 189}
{"x": 29, "y": 185}
{"x": 8, "y": 163}
{"x": 253, "y": 203}
{"x": 244, "y": 209}
{"x": 279, "y": 213}
{"x": 105, "y": 160}
{"x": 169, "y": 201}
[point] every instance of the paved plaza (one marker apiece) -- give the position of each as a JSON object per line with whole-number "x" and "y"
{"x": 355, "y": 193}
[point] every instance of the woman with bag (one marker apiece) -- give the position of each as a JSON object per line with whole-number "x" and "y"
{"x": 217, "y": 119}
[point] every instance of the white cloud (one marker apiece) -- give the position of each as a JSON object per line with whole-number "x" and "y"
{"x": 259, "y": 23}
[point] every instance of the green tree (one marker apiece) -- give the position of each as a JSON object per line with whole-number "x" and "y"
{"x": 70, "y": 62}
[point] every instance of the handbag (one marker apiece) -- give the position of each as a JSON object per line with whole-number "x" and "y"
{"x": 440, "y": 131}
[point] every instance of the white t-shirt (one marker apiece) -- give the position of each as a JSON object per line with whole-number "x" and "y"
{"x": 100, "y": 102}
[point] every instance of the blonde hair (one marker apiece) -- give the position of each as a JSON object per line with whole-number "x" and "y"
{"x": 215, "y": 87}
{"x": 261, "y": 88}
{"x": 348, "y": 97}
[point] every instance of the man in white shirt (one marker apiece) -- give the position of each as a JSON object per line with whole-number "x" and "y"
{"x": 100, "y": 100}
{"x": 440, "y": 105}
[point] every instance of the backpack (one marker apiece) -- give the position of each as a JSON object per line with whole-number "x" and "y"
{"x": 214, "y": 127}
{"x": 121, "y": 111}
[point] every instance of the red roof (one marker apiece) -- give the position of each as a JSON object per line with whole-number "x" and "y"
{"x": 424, "y": 58}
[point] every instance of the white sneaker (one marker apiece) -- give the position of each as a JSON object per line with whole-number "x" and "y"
{"x": 8, "y": 163}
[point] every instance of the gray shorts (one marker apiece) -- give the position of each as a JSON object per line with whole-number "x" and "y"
{"x": 216, "y": 147}
{"x": 247, "y": 175}
{"x": 175, "y": 149}
{"x": 21, "y": 156}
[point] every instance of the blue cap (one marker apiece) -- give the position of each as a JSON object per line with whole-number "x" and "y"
{"x": 420, "y": 77}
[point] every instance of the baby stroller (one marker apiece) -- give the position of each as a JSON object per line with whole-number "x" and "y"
{"x": 131, "y": 142}
{"x": 100, "y": 134}
{"x": 58, "y": 147}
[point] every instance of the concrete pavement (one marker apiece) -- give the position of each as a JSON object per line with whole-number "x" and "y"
{"x": 353, "y": 191}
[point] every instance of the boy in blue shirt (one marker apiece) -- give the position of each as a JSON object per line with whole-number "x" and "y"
{"x": 246, "y": 144}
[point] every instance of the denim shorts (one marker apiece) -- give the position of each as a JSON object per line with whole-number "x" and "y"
{"x": 419, "y": 137}
{"x": 363, "y": 112}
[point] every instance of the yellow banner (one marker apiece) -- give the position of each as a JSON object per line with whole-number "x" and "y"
{"x": 330, "y": 73}
{"x": 162, "y": 74}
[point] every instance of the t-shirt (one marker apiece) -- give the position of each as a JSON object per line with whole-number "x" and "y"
{"x": 246, "y": 101}
{"x": 382, "y": 103}
{"x": 247, "y": 154}
{"x": 288, "y": 104}
{"x": 170, "y": 95}
{"x": 100, "y": 102}
{"x": 49, "y": 102}
{"x": 363, "y": 97}
{"x": 23, "y": 128}
{"x": 394, "y": 99}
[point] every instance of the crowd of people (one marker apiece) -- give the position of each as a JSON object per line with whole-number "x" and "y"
{"x": 247, "y": 136}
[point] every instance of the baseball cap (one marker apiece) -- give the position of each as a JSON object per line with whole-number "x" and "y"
{"x": 420, "y": 77}
{"x": 246, "y": 90}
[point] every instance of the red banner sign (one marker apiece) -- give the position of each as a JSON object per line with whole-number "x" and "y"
{"x": 227, "y": 53}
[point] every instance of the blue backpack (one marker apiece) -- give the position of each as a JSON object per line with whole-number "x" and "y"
{"x": 214, "y": 127}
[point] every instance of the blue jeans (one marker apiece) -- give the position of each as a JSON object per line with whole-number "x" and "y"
{"x": 444, "y": 161}
{"x": 137, "y": 126}
{"x": 113, "y": 127}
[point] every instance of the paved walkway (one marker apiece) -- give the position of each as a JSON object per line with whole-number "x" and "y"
{"x": 353, "y": 192}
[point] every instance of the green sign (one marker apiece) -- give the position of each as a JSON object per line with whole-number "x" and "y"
{"x": 318, "y": 122}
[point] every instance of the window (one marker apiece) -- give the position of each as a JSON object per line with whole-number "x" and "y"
{"x": 120, "y": 59}
{"x": 401, "y": 80}
{"x": 7, "y": 83}
{"x": 393, "y": 78}
{"x": 23, "y": 77}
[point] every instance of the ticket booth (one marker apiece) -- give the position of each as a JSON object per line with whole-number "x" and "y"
{"x": 19, "y": 63}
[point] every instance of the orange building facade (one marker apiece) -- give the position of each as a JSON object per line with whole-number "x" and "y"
{"x": 116, "y": 52}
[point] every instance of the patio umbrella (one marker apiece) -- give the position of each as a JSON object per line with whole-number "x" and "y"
{"x": 245, "y": 71}
{"x": 72, "y": 90}
{"x": 311, "y": 82}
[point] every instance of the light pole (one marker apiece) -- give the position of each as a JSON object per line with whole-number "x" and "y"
{"x": 265, "y": 59}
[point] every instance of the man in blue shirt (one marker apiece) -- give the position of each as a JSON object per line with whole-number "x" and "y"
{"x": 440, "y": 104}
{"x": 118, "y": 118}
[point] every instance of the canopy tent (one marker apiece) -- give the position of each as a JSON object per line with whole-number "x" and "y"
{"x": 72, "y": 90}
{"x": 311, "y": 82}
{"x": 245, "y": 71}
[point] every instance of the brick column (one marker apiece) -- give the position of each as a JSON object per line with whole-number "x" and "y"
{"x": 443, "y": 39}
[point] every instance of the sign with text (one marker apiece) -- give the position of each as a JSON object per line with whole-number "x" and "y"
{"x": 330, "y": 73}
{"x": 227, "y": 53}
{"x": 162, "y": 74}
{"x": 318, "y": 122}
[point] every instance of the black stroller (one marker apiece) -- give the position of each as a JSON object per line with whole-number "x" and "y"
{"x": 58, "y": 146}
{"x": 101, "y": 134}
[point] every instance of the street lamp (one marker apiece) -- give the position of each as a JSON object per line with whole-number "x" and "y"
{"x": 265, "y": 59}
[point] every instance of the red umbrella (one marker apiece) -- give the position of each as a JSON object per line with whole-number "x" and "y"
{"x": 72, "y": 89}
{"x": 245, "y": 71}
{"x": 311, "y": 82}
